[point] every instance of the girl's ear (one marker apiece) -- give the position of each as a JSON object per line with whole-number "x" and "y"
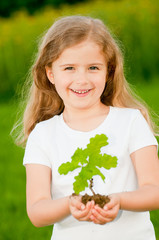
{"x": 49, "y": 74}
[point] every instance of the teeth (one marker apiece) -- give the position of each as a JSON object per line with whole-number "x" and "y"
{"x": 76, "y": 91}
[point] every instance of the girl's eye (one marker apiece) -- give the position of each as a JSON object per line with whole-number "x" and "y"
{"x": 94, "y": 68}
{"x": 69, "y": 68}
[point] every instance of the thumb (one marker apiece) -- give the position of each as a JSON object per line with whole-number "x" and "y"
{"x": 76, "y": 202}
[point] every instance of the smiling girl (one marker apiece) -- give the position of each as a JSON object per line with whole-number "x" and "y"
{"x": 78, "y": 91}
{"x": 79, "y": 76}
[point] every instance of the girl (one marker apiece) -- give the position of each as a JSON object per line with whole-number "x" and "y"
{"x": 78, "y": 91}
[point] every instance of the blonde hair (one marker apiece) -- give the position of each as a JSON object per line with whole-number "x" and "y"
{"x": 43, "y": 100}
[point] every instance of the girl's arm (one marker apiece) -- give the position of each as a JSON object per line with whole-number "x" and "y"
{"x": 145, "y": 198}
{"x": 41, "y": 209}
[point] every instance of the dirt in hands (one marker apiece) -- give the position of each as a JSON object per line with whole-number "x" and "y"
{"x": 99, "y": 200}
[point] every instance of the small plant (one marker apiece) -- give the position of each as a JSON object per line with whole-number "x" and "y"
{"x": 89, "y": 160}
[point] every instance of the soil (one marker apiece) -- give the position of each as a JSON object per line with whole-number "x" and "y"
{"x": 99, "y": 200}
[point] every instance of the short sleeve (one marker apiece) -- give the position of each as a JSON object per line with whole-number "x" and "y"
{"x": 140, "y": 133}
{"x": 36, "y": 149}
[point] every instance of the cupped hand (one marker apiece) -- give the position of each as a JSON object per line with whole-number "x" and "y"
{"x": 108, "y": 213}
{"x": 79, "y": 210}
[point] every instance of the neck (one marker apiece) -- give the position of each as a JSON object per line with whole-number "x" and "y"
{"x": 85, "y": 120}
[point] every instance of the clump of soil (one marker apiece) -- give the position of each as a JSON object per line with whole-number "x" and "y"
{"x": 99, "y": 200}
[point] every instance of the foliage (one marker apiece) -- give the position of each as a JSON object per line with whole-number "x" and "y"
{"x": 134, "y": 23}
{"x": 7, "y": 7}
{"x": 15, "y": 223}
{"x": 89, "y": 160}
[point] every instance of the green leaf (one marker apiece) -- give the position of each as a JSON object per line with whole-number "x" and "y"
{"x": 79, "y": 156}
{"x": 80, "y": 184}
{"x": 89, "y": 160}
{"x": 81, "y": 181}
{"x": 67, "y": 167}
{"x": 96, "y": 143}
{"x": 105, "y": 161}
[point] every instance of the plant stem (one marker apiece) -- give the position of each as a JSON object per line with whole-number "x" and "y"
{"x": 91, "y": 186}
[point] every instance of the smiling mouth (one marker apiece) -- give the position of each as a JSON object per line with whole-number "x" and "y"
{"x": 81, "y": 91}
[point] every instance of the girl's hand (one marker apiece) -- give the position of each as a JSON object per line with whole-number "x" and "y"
{"x": 108, "y": 213}
{"x": 79, "y": 210}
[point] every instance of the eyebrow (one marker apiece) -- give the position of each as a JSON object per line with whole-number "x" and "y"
{"x": 73, "y": 64}
{"x": 96, "y": 64}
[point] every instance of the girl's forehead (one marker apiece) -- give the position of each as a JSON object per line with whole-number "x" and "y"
{"x": 83, "y": 44}
{"x": 86, "y": 49}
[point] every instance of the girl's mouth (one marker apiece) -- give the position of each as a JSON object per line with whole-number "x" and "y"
{"x": 80, "y": 91}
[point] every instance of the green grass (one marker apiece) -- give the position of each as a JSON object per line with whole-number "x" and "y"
{"x": 14, "y": 221}
{"x": 150, "y": 92}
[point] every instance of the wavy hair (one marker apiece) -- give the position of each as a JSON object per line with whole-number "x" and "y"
{"x": 43, "y": 101}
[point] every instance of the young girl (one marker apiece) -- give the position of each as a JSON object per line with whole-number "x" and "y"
{"x": 78, "y": 91}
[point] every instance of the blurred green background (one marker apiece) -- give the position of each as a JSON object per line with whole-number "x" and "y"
{"x": 134, "y": 23}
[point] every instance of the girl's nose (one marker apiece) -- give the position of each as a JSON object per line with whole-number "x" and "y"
{"x": 81, "y": 77}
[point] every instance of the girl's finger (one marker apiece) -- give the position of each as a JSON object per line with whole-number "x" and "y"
{"x": 101, "y": 211}
{"x": 98, "y": 219}
{"x": 109, "y": 205}
{"x": 112, "y": 213}
{"x": 76, "y": 202}
{"x": 85, "y": 214}
{"x": 114, "y": 200}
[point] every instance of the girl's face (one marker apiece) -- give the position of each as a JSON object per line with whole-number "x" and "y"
{"x": 79, "y": 75}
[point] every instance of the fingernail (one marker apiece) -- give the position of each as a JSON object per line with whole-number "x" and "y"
{"x": 105, "y": 208}
{"x": 91, "y": 217}
{"x": 93, "y": 211}
{"x": 82, "y": 207}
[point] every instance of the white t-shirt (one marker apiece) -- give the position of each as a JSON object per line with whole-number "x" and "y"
{"x": 52, "y": 143}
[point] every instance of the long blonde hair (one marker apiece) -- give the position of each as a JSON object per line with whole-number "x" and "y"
{"x": 43, "y": 102}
